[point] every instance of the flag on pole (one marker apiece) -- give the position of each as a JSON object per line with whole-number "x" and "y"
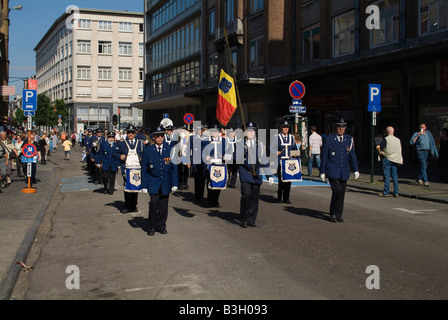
{"x": 226, "y": 104}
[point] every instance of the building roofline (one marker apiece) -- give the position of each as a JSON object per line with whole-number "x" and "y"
{"x": 86, "y": 10}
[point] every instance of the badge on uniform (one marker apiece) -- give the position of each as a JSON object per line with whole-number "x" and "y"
{"x": 218, "y": 177}
{"x": 291, "y": 170}
{"x": 133, "y": 180}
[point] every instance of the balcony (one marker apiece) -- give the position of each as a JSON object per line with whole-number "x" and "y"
{"x": 235, "y": 35}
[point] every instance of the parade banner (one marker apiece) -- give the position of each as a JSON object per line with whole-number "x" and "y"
{"x": 133, "y": 180}
{"x": 291, "y": 170}
{"x": 218, "y": 177}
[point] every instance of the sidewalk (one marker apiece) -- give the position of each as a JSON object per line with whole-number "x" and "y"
{"x": 21, "y": 214}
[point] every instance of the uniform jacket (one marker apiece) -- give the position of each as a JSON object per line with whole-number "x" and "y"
{"x": 95, "y": 152}
{"x": 107, "y": 161}
{"x": 123, "y": 149}
{"x": 336, "y": 157}
{"x": 158, "y": 172}
{"x": 285, "y": 145}
{"x": 260, "y": 164}
{"x": 209, "y": 149}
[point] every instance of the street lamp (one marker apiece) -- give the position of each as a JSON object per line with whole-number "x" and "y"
{"x": 18, "y": 7}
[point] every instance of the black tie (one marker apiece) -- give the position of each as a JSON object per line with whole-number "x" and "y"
{"x": 132, "y": 144}
{"x": 158, "y": 149}
{"x": 340, "y": 139}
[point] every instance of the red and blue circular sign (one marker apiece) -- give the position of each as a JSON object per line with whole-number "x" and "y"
{"x": 29, "y": 150}
{"x": 297, "y": 89}
{"x": 188, "y": 118}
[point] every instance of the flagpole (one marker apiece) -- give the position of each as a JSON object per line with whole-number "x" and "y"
{"x": 238, "y": 94}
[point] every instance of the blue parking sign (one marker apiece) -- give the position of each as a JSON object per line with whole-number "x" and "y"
{"x": 29, "y": 102}
{"x": 374, "y": 98}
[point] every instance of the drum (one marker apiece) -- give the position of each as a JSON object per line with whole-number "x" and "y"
{"x": 133, "y": 180}
{"x": 291, "y": 170}
{"x": 218, "y": 177}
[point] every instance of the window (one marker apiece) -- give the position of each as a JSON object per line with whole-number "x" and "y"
{"x": 140, "y": 27}
{"x": 141, "y": 74}
{"x": 229, "y": 11}
{"x": 104, "y": 73}
{"x": 311, "y": 40}
{"x": 104, "y": 47}
{"x": 84, "y": 24}
{"x": 125, "y": 74}
{"x": 433, "y": 15}
{"x": 234, "y": 51}
{"x": 141, "y": 49}
{"x": 213, "y": 66}
{"x": 256, "y": 5}
{"x": 70, "y": 48}
{"x": 83, "y": 73}
{"x": 105, "y": 25}
{"x": 389, "y": 24}
{"x": 211, "y": 21}
{"x": 83, "y": 110}
{"x": 125, "y": 26}
{"x": 84, "y": 46}
{"x": 125, "y": 48}
{"x": 344, "y": 34}
{"x": 256, "y": 53}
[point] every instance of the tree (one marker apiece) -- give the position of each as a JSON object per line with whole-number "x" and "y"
{"x": 44, "y": 113}
{"x": 61, "y": 109}
{"x": 19, "y": 116}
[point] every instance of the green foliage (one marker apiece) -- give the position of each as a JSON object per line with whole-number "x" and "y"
{"x": 47, "y": 113}
{"x": 19, "y": 116}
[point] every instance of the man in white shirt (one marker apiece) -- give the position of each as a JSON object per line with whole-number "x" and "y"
{"x": 314, "y": 150}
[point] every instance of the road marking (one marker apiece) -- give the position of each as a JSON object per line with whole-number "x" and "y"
{"x": 415, "y": 211}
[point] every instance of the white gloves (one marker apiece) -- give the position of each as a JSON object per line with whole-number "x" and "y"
{"x": 271, "y": 181}
{"x": 173, "y": 189}
{"x": 356, "y": 175}
{"x": 322, "y": 176}
{"x": 144, "y": 190}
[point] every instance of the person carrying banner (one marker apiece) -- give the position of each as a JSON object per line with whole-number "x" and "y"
{"x": 130, "y": 152}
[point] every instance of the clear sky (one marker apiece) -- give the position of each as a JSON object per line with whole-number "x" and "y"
{"x": 31, "y": 23}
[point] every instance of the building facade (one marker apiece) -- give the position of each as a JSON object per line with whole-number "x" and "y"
{"x": 333, "y": 47}
{"x": 93, "y": 60}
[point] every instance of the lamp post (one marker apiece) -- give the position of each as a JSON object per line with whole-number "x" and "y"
{"x": 4, "y": 52}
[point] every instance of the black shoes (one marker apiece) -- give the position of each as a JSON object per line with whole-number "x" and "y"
{"x": 151, "y": 232}
{"x": 126, "y": 210}
{"x": 245, "y": 224}
{"x": 333, "y": 218}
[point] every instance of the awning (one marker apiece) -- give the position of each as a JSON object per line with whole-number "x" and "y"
{"x": 166, "y": 103}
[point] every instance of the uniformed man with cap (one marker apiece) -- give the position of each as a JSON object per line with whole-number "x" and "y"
{"x": 159, "y": 179}
{"x": 130, "y": 152}
{"x": 88, "y": 146}
{"x": 96, "y": 155}
{"x": 285, "y": 144}
{"x": 170, "y": 138}
{"x": 338, "y": 154}
{"x": 231, "y": 142}
{"x": 213, "y": 151}
{"x": 183, "y": 153}
{"x": 197, "y": 164}
{"x": 109, "y": 164}
{"x": 250, "y": 172}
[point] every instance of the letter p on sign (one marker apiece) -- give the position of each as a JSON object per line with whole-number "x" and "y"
{"x": 375, "y": 94}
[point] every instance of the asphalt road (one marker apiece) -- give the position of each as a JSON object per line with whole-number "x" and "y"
{"x": 295, "y": 252}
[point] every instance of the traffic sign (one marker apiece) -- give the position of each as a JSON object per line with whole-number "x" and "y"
{"x": 297, "y": 109}
{"x": 29, "y": 160}
{"x": 29, "y": 113}
{"x": 297, "y": 89}
{"x": 188, "y": 118}
{"x": 29, "y": 100}
{"x": 29, "y": 150}
{"x": 374, "y": 98}
{"x": 296, "y": 102}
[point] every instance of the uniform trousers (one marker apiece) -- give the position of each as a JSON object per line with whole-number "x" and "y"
{"x": 130, "y": 198}
{"x": 109, "y": 180}
{"x": 250, "y": 194}
{"x": 158, "y": 210}
{"x": 284, "y": 188}
{"x": 233, "y": 173}
{"x": 199, "y": 184}
{"x": 337, "y": 198}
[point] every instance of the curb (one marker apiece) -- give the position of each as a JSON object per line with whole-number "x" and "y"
{"x": 8, "y": 284}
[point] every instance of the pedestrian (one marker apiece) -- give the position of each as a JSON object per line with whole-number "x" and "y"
{"x": 55, "y": 141}
{"x": 443, "y": 155}
{"x": 425, "y": 147}
{"x": 73, "y": 137}
{"x": 130, "y": 152}
{"x": 390, "y": 149}
{"x": 43, "y": 149}
{"x": 338, "y": 154}
{"x": 18, "y": 152}
{"x": 314, "y": 149}
{"x": 197, "y": 169}
{"x": 67, "y": 145}
{"x": 4, "y": 162}
{"x": 9, "y": 145}
{"x": 285, "y": 144}
{"x": 250, "y": 172}
{"x": 159, "y": 179}
{"x": 109, "y": 164}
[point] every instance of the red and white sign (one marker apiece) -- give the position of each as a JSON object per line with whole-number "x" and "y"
{"x": 8, "y": 90}
{"x": 32, "y": 84}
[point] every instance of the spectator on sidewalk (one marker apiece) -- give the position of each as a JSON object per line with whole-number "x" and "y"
{"x": 390, "y": 149}
{"x": 4, "y": 161}
{"x": 43, "y": 149}
{"x": 8, "y": 144}
{"x": 314, "y": 150}
{"x": 425, "y": 147}
{"x": 443, "y": 155}
{"x": 18, "y": 151}
{"x": 67, "y": 145}
{"x": 54, "y": 139}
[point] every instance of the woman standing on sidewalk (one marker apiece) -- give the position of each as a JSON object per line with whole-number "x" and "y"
{"x": 18, "y": 151}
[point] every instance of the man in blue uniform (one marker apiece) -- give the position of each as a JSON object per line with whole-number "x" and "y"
{"x": 159, "y": 179}
{"x": 109, "y": 164}
{"x": 96, "y": 155}
{"x": 130, "y": 152}
{"x": 285, "y": 143}
{"x": 197, "y": 164}
{"x": 338, "y": 153}
{"x": 231, "y": 141}
{"x": 250, "y": 173}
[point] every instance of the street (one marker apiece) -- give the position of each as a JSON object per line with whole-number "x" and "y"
{"x": 295, "y": 252}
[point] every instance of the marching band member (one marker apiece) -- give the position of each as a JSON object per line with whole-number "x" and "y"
{"x": 159, "y": 179}
{"x": 109, "y": 164}
{"x": 231, "y": 142}
{"x": 130, "y": 151}
{"x": 255, "y": 161}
